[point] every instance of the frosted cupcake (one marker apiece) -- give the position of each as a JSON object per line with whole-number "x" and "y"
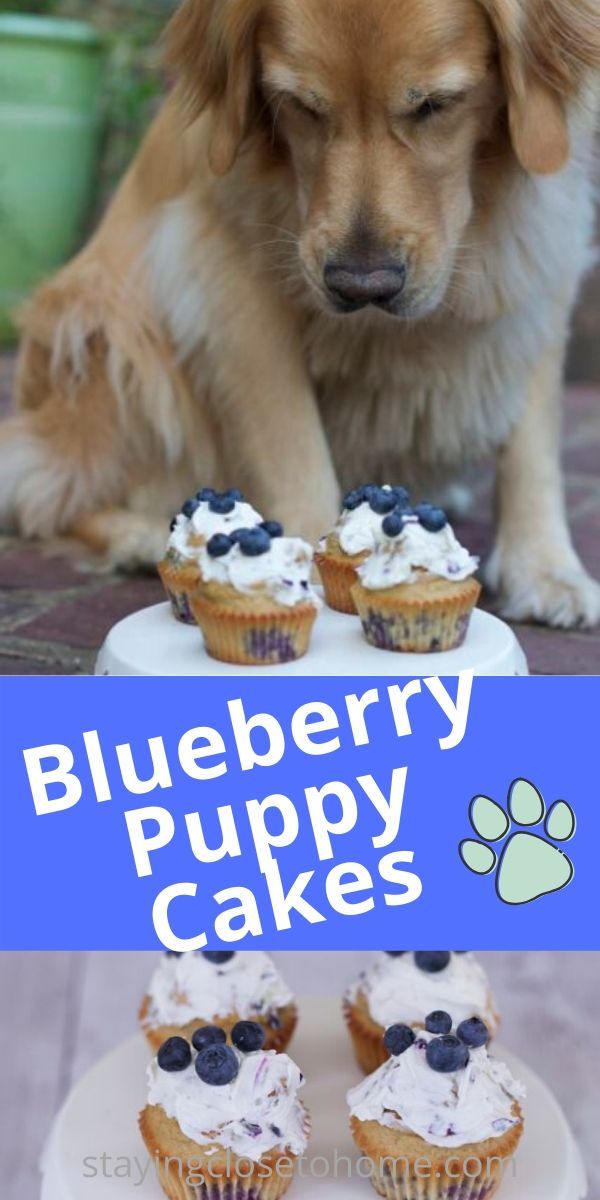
{"x": 224, "y": 1122}
{"x": 355, "y": 536}
{"x": 254, "y": 602}
{"x": 441, "y": 1118}
{"x": 416, "y": 591}
{"x": 402, "y": 986}
{"x": 188, "y": 991}
{"x": 207, "y": 513}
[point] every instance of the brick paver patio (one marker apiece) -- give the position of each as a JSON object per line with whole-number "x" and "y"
{"x": 53, "y": 616}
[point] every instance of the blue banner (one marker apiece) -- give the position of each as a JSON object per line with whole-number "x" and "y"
{"x": 299, "y": 813}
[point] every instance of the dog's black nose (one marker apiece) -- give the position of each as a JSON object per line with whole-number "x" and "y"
{"x": 352, "y": 286}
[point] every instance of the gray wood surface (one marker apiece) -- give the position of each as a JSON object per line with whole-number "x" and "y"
{"x": 60, "y": 1012}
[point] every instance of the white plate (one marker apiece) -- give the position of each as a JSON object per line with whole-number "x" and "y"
{"x": 152, "y": 642}
{"x": 100, "y": 1118}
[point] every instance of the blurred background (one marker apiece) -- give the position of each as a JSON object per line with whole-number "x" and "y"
{"x": 79, "y": 84}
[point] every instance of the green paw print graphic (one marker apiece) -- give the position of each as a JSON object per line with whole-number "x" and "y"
{"x": 527, "y": 864}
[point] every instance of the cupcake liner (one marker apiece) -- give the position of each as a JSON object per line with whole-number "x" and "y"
{"x": 411, "y": 1187}
{"x": 278, "y": 1037}
{"x": 427, "y": 1172}
{"x": 421, "y": 618}
{"x": 186, "y": 1172}
{"x": 366, "y": 1038}
{"x": 254, "y": 639}
{"x": 338, "y": 577}
{"x": 230, "y": 1187}
{"x": 179, "y": 583}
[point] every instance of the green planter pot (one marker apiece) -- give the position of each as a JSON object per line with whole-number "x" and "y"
{"x": 51, "y": 74}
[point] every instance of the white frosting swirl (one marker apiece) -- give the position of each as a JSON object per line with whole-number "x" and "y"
{"x": 359, "y": 529}
{"x": 204, "y": 523}
{"x": 284, "y": 571}
{"x": 189, "y": 988}
{"x": 258, "y": 1111}
{"x": 451, "y": 1109}
{"x": 401, "y": 559}
{"x": 397, "y": 990}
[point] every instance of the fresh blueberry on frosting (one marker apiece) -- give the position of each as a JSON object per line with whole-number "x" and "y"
{"x": 383, "y": 501}
{"x": 208, "y": 1035}
{"x": 353, "y": 499}
{"x": 273, "y": 528}
{"x": 398, "y": 1038}
{"x": 221, "y": 504}
{"x": 393, "y": 524}
{"x": 446, "y": 1054}
{"x": 431, "y": 518}
{"x": 254, "y": 542}
{"x": 219, "y": 545}
{"x": 395, "y": 953}
{"x": 432, "y": 961}
{"x": 248, "y": 1036}
{"x": 217, "y": 1065}
{"x": 218, "y": 956}
{"x": 190, "y": 507}
{"x": 473, "y": 1032}
{"x": 438, "y": 1022}
{"x": 174, "y": 1055}
{"x": 205, "y": 494}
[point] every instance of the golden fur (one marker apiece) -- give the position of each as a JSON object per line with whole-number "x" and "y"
{"x": 194, "y": 339}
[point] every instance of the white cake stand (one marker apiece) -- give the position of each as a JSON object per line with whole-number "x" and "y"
{"x": 100, "y": 1117}
{"x": 152, "y": 642}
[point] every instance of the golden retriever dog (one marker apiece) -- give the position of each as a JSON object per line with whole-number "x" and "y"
{"x": 347, "y": 250}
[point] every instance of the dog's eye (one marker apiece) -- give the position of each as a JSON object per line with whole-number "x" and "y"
{"x": 429, "y": 108}
{"x": 305, "y": 109}
{"x": 434, "y": 105}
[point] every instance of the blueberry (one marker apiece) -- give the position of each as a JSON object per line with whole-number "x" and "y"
{"x": 398, "y": 1038}
{"x": 395, "y": 953}
{"x": 254, "y": 542}
{"x": 208, "y": 1035}
{"x": 438, "y": 1022}
{"x": 173, "y": 524}
{"x": 393, "y": 524}
{"x": 235, "y": 495}
{"x": 447, "y": 1054}
{"x": 432, "y": 519}
{"x": 221, "y": 504}
{"x": 173, "y": 953}
{"x": 175, "y": 1054}
{"x": 432, "y": 961}
{"x": 473, "y": 1032}
{"x": 248, "y": 1036}
{"x": 217, "y": 1065}
{"x": 382, "y": 501}
{"x": 402, "y": 498}
{"x": 205, "y": 494}
{"x": 218, "y": 956}
{"x": 219, "y": 545}
{"x": 190, "y": 507}
{"x": 353, "y": 499}
{"x": 273, "y": 528}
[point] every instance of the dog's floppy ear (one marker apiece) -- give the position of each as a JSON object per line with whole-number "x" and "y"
{"x": 548, "y": 49}
{"x": 210, "y": 44}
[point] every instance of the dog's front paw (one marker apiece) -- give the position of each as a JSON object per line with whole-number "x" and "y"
{"x": 553, "y": 591}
